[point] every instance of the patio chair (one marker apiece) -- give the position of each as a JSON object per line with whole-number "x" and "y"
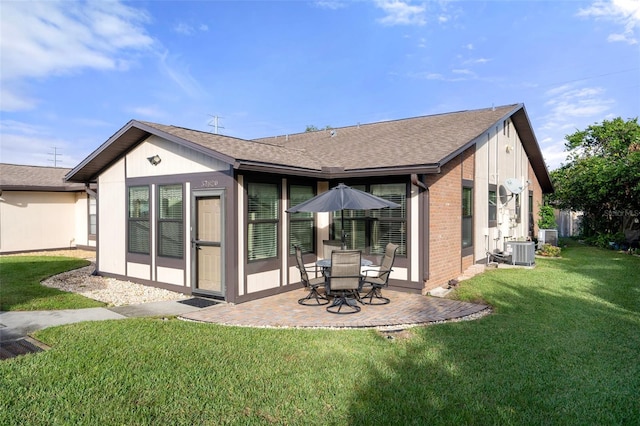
{"x": 344, "y": 281}
{"x": 329, "y": 246}
{"x": 379, "y": 278}
{"x": 312, "y": 284}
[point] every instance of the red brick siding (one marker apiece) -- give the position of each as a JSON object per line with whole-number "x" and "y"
{"x": 469, "y": 163}
{"x": 537, "y": 199}
{"x": 467, "y": 261}
{"x": 445, "y": 220}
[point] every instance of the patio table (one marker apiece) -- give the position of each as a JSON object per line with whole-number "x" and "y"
{"x": 326, "y": 263}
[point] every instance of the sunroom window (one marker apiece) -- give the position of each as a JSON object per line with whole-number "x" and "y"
{"x": 301, "y": 224}
{"x": 170, "y": 221}
{"x": 371, "y": 230}
{"x": 262, "y": 223}
{"x": 138, "y": 206}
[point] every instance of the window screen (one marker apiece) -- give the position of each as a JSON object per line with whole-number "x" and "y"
{"x": 371, "y": 230}
{"x": 301, "y": 224}
{"x": 262, "y": 228}
{"x": 170, "y": 221}
{"x": 493, "y": 206}
{"x": 139, "y": 219}
{"x": 92, "y": 216}
{"x": 467, "y": 217}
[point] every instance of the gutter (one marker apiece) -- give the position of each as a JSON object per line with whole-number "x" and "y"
{"x": 337, "y": 172}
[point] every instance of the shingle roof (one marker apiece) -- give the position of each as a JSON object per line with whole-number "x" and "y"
{"x": 412, "y": 145}
{"x": 242, "y": 149}
{"x": 35, "y": 178}
{"x": 399, "y": 143}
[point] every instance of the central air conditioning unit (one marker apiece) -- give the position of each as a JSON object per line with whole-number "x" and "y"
{"x": 548, "y": 236}
{"x": 522, "y": 252}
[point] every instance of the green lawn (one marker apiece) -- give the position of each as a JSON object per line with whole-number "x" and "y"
{"x": 20, "y": 288}
{"x": 562, "y": 347}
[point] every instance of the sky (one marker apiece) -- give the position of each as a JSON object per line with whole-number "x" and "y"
{"x": 73, "y": 73}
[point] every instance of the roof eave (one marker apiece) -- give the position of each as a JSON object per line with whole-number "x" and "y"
{"x": 336, "y": 172}
{"x": 82, "y": 174}
{"x": 522, "y": 123}
{"x": 110, "y": 151}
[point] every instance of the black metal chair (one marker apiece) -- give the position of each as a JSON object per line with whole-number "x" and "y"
{"x": 312, "y": 284}
{"x": 344, "y": 281}
{"x": 380, "y": 279}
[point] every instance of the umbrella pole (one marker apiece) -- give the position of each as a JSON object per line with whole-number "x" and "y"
{"x": 344, "y": 235}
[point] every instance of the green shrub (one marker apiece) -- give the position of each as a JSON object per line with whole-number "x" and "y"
{"x": 547, "y": 218}
{"x": 549, "y": 251}
{"x": 605, "y": 240}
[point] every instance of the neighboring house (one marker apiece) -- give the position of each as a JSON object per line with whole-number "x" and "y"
{"x": 40, "y": 211}
{"x": 204, "y": 213}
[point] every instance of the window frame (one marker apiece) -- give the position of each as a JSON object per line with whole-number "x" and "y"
{"x": 131, "y": 220}
{"x": 493, "y": 222}
{"x": 160, "y": 221}
{"x": 467, "y": 250}
{"x": 92, "y": 225}
{"x": 366, "y": 218}
{"x": 296, "y": 218}
{"x": 275, "y": 221}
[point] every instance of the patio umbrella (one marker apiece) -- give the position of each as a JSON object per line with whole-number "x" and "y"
{"x": 342, "y": 197}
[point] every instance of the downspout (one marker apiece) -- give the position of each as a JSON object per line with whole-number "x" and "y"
{"x": 423, "y": 226}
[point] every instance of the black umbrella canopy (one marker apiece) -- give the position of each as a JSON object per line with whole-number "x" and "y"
{"x": 342, "y": 197}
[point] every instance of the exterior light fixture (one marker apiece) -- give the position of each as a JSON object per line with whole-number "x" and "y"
{"x": 155, "y": 160}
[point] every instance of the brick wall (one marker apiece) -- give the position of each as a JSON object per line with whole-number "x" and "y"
{"x": 445, "y": 220}
{"x": 537, "y": 199}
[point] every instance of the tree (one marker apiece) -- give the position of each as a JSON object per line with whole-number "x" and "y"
{"x": 312, "y": 128}
{"x": 602, "y": 177}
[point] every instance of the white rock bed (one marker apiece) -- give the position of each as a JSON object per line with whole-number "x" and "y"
{"x": 109, "y": 290}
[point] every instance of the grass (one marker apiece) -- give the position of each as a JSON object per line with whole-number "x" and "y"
{"x": 560, "y": 348}
{"x": 20, "y": 288}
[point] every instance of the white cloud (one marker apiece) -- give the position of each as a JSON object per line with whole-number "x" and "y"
{"x": 570, "y": 107}
{"x": 179, "y": 74}
{"x": 187, "y": 29}
{"x": 569, "y": 102}
{"x": 182, "y": 28}
{"x": 43, "y": 39}
{"x": 149, "y": 111}
{"x": 332, "y": 5}
{"x": 19, "y": 138}
{"x": 463, "y": 72}
{"x": 458, "y": 75}
{"x": 625, "y": 13}
{"x": 402, "y": 13}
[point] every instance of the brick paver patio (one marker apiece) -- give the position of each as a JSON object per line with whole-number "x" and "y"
{"x": 283, "y": 310}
